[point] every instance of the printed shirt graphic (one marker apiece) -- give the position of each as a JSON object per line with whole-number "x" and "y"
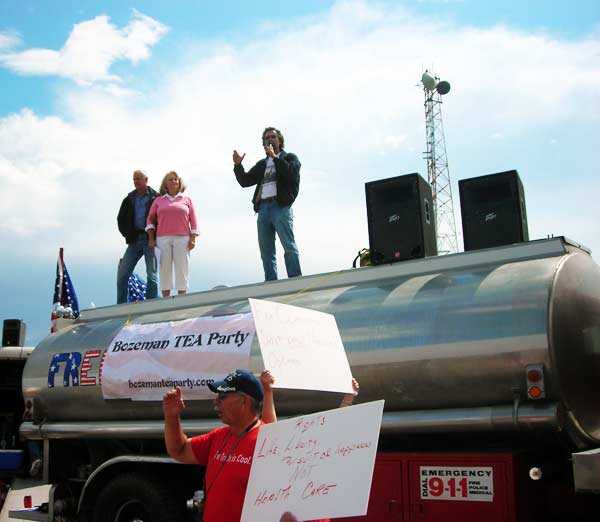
{"x": 225, "y": 497}
{"x": 269, "y": 186}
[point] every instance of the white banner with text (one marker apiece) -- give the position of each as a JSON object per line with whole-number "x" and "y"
{"x": 144, "y": 361}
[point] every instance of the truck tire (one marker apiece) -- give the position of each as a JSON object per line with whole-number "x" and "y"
{"x": 137, "y": 498}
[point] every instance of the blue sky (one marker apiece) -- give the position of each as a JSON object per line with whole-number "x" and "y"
{"x": 94, "y": 90}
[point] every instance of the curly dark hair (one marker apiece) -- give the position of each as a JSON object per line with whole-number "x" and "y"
{"x": 279, "y": 135}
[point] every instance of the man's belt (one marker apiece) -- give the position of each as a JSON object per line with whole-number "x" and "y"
{"x": 268, "y": 200}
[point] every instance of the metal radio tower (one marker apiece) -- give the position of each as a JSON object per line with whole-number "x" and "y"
{"x": 438, "y": 174}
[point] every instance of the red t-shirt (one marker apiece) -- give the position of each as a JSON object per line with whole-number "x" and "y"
{"x": 225, "y": 495}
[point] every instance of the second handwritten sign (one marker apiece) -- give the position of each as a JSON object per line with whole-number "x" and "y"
{"x": 315, "y": 466}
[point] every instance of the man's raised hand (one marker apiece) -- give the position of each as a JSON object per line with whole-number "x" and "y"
{"x": 173, "y": 404}
{"x": 237, "y": 159}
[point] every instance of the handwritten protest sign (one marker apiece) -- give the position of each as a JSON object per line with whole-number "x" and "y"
{"x": 143, "y": 361}
{"x": 315, "y": 466}
{"x": 302, "y": 347}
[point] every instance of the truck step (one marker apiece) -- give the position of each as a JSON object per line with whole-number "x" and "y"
{"x": 37, "y": 515}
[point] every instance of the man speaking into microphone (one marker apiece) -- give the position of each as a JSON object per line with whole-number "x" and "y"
{"x": 277, "y": 180}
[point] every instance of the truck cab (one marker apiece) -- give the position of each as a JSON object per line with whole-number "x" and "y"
{"x": 13, "y": 454}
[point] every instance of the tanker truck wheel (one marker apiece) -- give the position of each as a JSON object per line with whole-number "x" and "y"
{"x": 137, "y": 498}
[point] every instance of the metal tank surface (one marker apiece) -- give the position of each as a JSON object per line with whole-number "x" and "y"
{"x": 444, "y": 340}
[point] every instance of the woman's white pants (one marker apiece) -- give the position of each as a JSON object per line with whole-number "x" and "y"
{"x": 174, "y": 257}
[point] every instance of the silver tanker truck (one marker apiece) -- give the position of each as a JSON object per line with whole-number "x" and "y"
{"x": 488, "y": 361}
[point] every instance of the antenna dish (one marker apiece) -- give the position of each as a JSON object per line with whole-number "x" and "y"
{"x": 429, "y": 82}
{"x": 443, "y": 87}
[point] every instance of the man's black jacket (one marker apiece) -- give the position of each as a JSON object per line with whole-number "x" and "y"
{"x": 126, "y": 217}
{"x": 287, "y": 166}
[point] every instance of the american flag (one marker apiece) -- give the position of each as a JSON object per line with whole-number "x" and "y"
{"x": 136, "y": 288}
{"x": 65, "y": 300}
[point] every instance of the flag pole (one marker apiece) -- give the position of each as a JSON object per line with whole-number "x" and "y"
{"x": 64, "y": 303}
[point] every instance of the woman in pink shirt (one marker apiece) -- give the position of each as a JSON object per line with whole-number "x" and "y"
{"x": 171, "y": 227}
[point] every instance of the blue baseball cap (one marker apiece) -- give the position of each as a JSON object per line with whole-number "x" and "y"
{"x": 239, "y": 381}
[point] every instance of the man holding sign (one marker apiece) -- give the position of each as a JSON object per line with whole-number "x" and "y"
{"x": 226, "y": 452}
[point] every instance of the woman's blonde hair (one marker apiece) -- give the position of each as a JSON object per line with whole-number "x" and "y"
{"x": 163, "y": 184}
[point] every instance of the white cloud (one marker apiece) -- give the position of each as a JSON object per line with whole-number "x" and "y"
{"x": 9, "y": 39}
{"x": 35, "y": 160}
{"x": 342, "y": 88}
{"x": 394, "y": 141}
{"x": 90, "y": 50}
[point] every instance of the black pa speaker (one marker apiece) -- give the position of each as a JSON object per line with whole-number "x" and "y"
{"x": 13, "y": 332}
{"x": 493, "y": 210}
{"x": 401, "y": 219}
